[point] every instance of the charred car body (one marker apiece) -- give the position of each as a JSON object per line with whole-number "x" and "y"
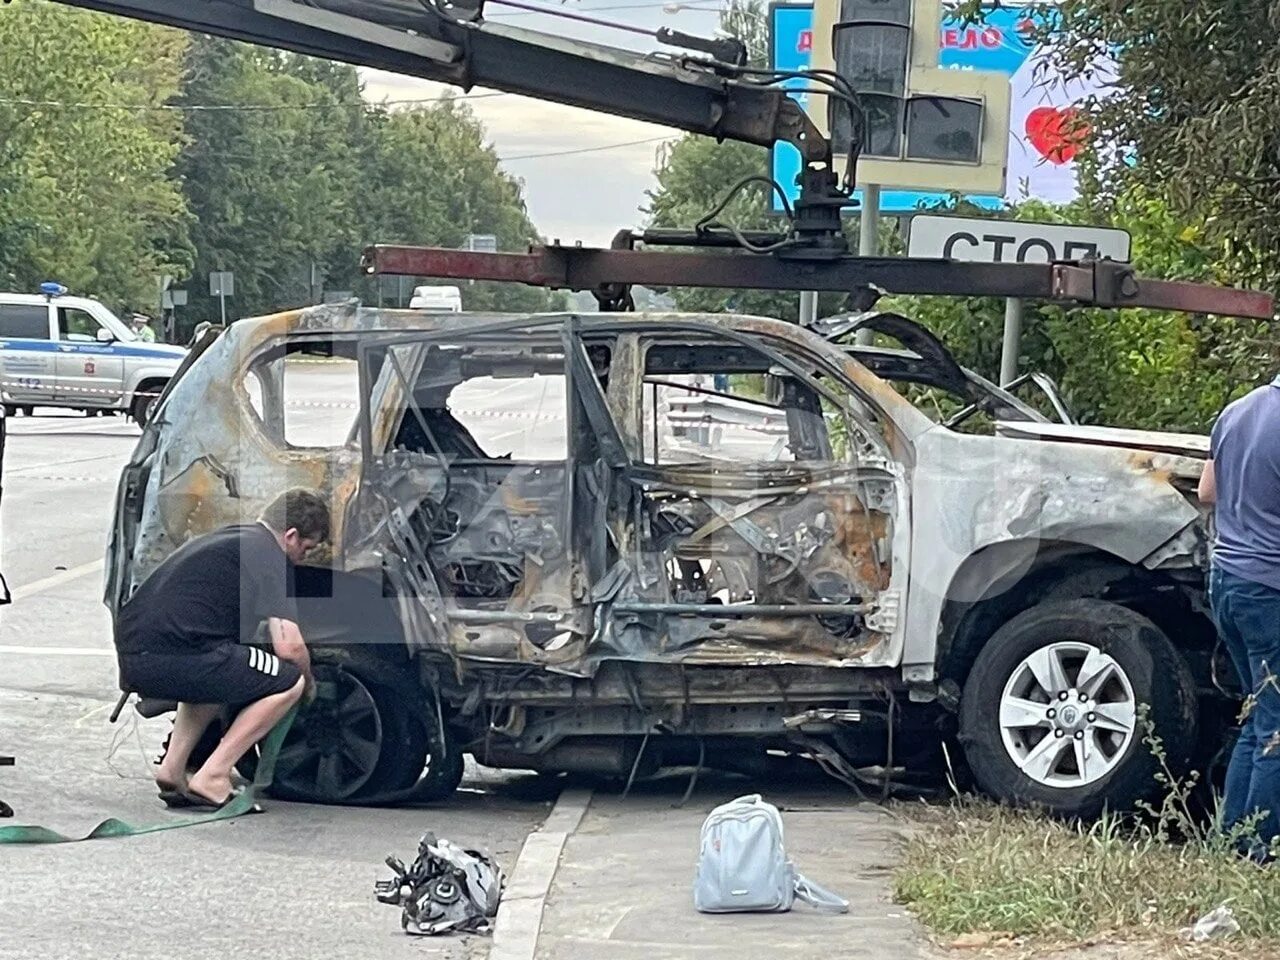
{"x": 612, "y": 542}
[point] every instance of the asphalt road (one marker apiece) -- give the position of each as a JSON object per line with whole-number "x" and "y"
{"x": 295, "y": 882}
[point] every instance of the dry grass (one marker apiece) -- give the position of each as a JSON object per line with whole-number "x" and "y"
{"x": 976, "y": 868}
{"x": 979, "y": 867}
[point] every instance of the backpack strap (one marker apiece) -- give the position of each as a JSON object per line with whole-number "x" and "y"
{"x": 819, "y": 897}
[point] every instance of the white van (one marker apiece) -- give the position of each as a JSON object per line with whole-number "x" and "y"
{"x": 436, "y": 299}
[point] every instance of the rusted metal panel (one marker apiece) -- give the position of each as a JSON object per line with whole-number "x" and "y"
{"x": 1099, "y": 283}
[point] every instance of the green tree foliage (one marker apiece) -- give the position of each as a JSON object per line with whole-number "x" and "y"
{"x": 272, "y": 185}
{"x": 428, "y": 177}
{"x": 1191, "y": 115}
{"x": 1140, "y": 368}
{"x": 85, "y": 153}
{"x": 128, "y": 151}
{"x": 287, "y": 190}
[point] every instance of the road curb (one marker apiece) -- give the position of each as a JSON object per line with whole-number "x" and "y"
{"x": 515, "y": 932}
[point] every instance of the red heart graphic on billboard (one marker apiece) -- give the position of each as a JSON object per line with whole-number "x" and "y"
{"x": 1057, "y": 133}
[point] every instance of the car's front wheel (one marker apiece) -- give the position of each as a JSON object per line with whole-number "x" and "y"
{"x": 1052, "y": 711}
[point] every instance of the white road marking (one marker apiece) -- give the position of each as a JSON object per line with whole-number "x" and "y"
{"x": 57, "y": 651}
{"x": 56, "y": 580}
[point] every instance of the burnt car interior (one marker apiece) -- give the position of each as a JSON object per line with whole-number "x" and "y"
{"x": 616, "y": 518}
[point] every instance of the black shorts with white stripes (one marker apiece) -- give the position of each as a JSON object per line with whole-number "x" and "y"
{"x": 230, "y": 673}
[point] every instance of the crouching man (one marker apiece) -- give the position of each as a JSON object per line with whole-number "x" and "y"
{"x": 182, "y": 637}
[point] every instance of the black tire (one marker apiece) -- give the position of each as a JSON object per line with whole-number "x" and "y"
{"x": 1157, "y": 676}
{"x": 141, "y": 409}
{"x": 406, "y": 737}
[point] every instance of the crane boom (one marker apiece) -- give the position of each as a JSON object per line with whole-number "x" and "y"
{"x": 423, "y": 40}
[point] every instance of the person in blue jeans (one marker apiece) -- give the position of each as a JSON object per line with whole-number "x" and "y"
{"x": 1242, "y": 480}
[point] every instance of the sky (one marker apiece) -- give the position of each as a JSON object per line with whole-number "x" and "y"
{"x": 586, "y": 196}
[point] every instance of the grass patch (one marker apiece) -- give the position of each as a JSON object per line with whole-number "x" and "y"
{"x": 980, "y": 867}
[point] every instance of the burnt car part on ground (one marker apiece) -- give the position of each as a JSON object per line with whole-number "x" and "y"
{"x": 697, "y": 540}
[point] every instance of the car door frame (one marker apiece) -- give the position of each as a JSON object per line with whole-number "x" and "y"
{"x": 82, "y": 382}
{"x": 411, "y": 573}
{"x": 784, "y": 344}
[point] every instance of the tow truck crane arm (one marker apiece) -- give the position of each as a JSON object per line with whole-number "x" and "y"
{"x": 450, "y": 43}
{"x": 712, "y": 93}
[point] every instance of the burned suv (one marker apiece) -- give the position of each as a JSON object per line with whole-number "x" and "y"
{"x": 619, "y": 542}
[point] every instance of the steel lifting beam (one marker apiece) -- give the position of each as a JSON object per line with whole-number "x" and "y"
{"x": 1089, "y": 283}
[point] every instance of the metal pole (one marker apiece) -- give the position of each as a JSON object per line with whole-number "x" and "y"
{"x": 869, "y": 236}
{"x": 808, "y": 307}
{"x": 222, "y": 305}
{"x": 1012, "y": 340}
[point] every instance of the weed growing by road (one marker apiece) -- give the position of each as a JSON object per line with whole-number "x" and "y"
{"x": 976, "y": 866}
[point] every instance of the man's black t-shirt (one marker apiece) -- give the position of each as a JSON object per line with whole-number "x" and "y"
{"x": 214, "y": 589}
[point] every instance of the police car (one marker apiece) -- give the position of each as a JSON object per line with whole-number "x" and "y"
{"x": 61, "y": 351}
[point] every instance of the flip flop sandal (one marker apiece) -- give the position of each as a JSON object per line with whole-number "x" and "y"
{"x": 174, "y": 798}
{"x": 201, "y": 803}
{"x": 198, "y": 803}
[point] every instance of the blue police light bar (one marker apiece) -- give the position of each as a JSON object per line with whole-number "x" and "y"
{"x": 51, "y": 289}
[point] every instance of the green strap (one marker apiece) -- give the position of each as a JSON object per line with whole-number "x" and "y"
{"x": 111, "y": 827}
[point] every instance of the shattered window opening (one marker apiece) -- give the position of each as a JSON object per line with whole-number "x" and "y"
{"x": 283, "y": 387}
{"x": 724, "y": 402}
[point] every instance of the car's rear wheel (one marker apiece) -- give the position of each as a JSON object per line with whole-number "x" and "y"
{"x": 367, "y": 734}
{"x": 1051, "y": 713}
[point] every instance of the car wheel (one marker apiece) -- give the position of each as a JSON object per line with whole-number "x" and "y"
{"x": 142, "y": 409}
{"x": 367, "y": 734}
{"x": 1051, "y": 712}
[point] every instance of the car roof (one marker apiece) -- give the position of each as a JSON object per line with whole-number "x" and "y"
{"x": 39, "y": 298}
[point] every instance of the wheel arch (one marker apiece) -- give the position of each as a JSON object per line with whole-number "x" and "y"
{"x": 998, "y": 582}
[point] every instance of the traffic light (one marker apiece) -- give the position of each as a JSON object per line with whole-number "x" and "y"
{"x": 922, "y": 127}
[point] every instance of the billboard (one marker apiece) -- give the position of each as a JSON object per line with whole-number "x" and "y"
{"x": 1042, "y": 128}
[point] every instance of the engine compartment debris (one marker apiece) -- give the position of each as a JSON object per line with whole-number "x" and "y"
{"x": 446, "y": 889}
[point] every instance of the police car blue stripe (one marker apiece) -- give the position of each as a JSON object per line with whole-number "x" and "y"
{"x": 101, "y": 349}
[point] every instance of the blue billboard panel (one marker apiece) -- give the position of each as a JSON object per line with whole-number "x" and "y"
{"x": 1041, "y": 123}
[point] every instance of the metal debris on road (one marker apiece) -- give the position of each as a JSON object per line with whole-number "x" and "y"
{"x": 446, "y": 889}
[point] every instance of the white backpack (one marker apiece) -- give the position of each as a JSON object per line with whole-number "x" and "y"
{"x": 743, "y": 865}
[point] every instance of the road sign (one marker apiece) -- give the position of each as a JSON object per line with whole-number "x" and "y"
{"x": 482, "y": 243}
{"x": 222, "y": 283}
{"x": 173, "y": 298}
{"x": 1043, "y": 129}
{"x": 926, "y": 127}
{"x": 1012, "y": 241}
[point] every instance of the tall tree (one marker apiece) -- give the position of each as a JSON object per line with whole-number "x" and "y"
{"x": 1189, "y": 117}
{"x": 430, "y": 178}
{"x": 87, "y": 195}
{"x": 270, "y": 171}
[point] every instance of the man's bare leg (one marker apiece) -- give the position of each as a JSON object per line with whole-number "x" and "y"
{"x": 213, "y": 780}
{"x": 188, "y": 727}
